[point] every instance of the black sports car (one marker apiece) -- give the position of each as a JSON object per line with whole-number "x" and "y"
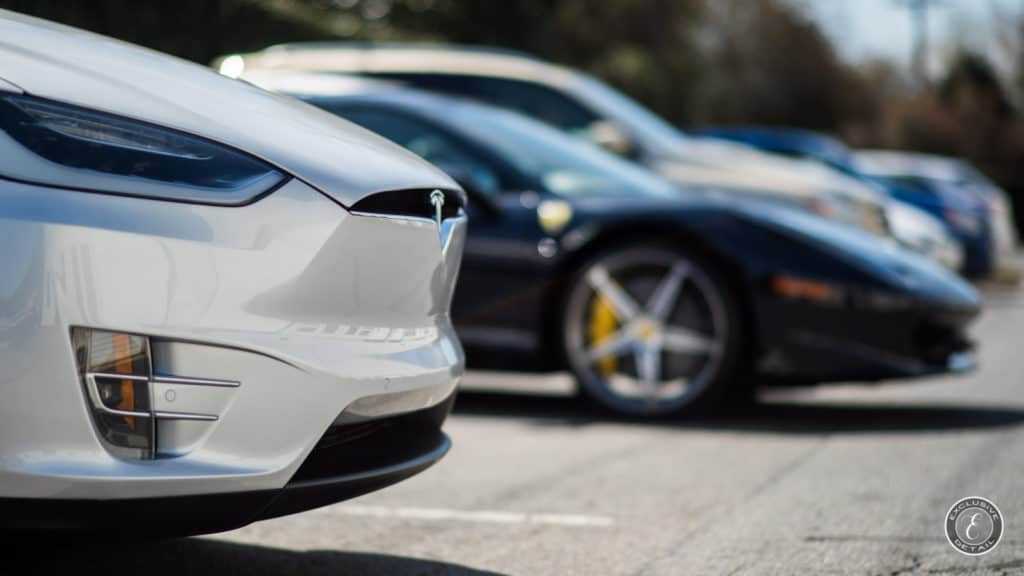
{"x": 658, "y": 301}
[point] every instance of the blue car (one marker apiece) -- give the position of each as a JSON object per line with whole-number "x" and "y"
{"x": 965, "y": 215}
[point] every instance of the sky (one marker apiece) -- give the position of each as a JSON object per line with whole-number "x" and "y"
{"x": 868, "y": 29}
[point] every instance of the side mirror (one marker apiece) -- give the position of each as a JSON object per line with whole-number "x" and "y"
{"x": 613, "y": 138}
{"x": 481, "y": 187}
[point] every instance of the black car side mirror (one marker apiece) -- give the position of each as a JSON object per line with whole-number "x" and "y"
{"x": 612, "y": 137}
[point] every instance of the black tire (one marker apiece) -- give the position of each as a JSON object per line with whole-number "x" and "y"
{"x": 706, "y": 311}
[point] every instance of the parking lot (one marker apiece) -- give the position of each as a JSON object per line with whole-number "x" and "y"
{"x": 845, "y": 480}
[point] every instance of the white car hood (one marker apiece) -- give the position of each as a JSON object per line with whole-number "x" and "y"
{"x": 69, "y": 65}
{"x": 718, "y": 163}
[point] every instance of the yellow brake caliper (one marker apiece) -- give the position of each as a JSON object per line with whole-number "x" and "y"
{"x": 603, "y": 326}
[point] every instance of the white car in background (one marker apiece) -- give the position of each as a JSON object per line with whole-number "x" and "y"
{"x": 850, "y": 200}
{"x": 952, "y": 176}
{"x": 218, "y": 305}
{"x": 921, "y": 232}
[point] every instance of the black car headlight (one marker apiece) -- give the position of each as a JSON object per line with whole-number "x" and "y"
{"x": 55, "y": 144}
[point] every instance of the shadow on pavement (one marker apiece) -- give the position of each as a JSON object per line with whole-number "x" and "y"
{"x": 196, "y": 556}
{"x": 773, "y": 416}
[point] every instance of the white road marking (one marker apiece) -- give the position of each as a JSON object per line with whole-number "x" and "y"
{"x": 480, "y": 516}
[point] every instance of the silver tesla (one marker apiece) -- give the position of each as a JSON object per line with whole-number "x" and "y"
{"x": 217, "y": 305}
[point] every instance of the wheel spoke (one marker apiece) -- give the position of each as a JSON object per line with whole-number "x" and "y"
{"x": 648, "y": 363}
{"x": 613, "y": 346}
{"x": 685, "y": 341}
{"x": 667, "y": 292}
{"x": 623, "y": 304}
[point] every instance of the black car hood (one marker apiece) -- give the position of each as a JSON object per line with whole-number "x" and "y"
{"x": 880, "y": 259}
{"x": 902, "y": 268}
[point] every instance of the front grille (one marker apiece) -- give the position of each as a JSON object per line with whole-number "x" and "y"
{"x": 414, "y": 203}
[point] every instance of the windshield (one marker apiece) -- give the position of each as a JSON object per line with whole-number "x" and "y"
{"x": 564, "y": 165}
{"x": 830, "y": 152}
{"x": 651, "y": 130}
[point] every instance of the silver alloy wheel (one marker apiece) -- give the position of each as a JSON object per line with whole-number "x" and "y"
{"x": 669, "y": 337}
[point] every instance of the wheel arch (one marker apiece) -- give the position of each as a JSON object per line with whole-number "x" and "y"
{"x": 666, "y": 232}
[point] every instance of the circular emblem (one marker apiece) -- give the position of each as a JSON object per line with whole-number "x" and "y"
{"x": 974, "y": 526}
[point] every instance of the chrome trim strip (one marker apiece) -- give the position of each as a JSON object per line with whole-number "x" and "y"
{"x": 195, "y": 381}
{"x": 423, "y": 219}
{"x": 185, "y": 416}
{"x": 126, "y": 413}
{"x": 94, "y": 395}
{"x": 393, "y": 216}
{"x": 111, "y": 376}
{"x": 153, "y": 440}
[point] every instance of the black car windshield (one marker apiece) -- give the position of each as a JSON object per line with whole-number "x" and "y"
{"x": 564, "y": 165}
{"x": 651, "y": 130}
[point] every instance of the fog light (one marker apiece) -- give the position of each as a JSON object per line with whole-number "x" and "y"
{"x": 116, "y": 371}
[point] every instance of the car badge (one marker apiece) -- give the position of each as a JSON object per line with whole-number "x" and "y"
{"x": 437, "y": 201}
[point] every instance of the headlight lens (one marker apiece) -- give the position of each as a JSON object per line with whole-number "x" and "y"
{"x": 861, "y": 214}
{"x": 44, "y": 142}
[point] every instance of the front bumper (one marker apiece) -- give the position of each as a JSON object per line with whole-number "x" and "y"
{"x": 348, "y": 461}
{"x": 807, "y": 343}
{"x": 309, "y": 308}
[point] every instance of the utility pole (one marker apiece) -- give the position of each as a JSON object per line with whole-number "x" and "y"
{"x": 919, "y": 18}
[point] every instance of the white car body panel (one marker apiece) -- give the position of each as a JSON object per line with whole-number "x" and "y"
{"x": 957, "y": 173}
{"x": 316, "y": 316}
{"x": 921, "y": 232}
{"x": 269, "y": 290}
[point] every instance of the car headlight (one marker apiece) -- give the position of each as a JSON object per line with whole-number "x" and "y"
{"x": 872, "y": 217}
{"x": 55, "y": 144}
{"x": 865, "y": 215}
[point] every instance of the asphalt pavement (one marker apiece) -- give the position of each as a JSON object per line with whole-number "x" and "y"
{"x": 832, "y": 480}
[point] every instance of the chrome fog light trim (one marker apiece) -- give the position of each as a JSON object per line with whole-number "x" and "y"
{"x": 117, "y": 372}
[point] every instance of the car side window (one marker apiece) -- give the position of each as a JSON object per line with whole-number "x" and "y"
{"x": 535, "y": 100}
{"x": 453, "y": 84}
{"x": 529, "y": 98}
{"x": 426, "y": 141}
